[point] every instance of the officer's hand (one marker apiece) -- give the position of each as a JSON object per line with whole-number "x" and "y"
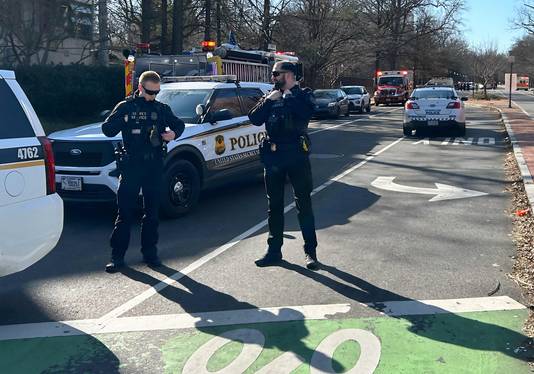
{"x": 168, "y": 135}
{"x": 274, "y": 95}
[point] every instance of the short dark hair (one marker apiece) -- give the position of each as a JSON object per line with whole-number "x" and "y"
{"x": 149, "y": 76}
{"x": 286, "y": 66}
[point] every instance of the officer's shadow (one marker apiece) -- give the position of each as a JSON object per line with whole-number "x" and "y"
{"x": 430, "y": 321}
{"x": 203, "y": 302}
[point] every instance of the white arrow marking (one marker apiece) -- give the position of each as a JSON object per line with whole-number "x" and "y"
{"x": 442, "y": 191}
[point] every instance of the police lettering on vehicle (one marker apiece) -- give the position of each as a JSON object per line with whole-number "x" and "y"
{"x": 28, "y": 153}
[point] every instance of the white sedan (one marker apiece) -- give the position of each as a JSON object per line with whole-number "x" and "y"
{"x": 434, "y": 108}
{"x": 359, "y": 98}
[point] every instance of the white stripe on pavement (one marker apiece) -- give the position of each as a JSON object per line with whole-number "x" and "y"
{"x": 476, "y": 304}
{"x": 249, "y": 316}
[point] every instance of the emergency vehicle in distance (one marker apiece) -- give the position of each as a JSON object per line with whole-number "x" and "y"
{"x": 393, "y": 87}
{"x": 522, "y": 82}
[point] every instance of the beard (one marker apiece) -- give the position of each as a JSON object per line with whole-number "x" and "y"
{"x": 279, "y": 84}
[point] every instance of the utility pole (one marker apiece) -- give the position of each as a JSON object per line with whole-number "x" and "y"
{"x": 511, "y": 60}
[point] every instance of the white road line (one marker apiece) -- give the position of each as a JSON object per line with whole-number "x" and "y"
{"x": 132, "y": 303}
{"x": 249, "y": 316}
{"x": 349, "y": 122}
{"x": 480, "y": 304}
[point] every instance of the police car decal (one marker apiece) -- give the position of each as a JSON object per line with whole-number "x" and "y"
{"x": 16, "y": 155}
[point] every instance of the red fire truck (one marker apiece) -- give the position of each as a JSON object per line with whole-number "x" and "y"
{"x": 393, "y": 86}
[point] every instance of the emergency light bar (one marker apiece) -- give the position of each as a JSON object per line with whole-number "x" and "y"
{"x": 201, "y": 78}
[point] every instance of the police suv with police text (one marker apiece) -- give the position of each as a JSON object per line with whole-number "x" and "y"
{"x": 218, "y": 143}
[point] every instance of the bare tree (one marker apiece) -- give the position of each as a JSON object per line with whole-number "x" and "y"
{"x": 33, "y": 28}
{"x": 487, "y": 63}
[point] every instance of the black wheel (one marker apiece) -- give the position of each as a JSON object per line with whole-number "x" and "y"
{"x": 368, "y": 107}
{"x": 347, "y": 113}
{"x": 461, "y": 130}
{"x": 360, "y": 109}
{"x": 338, "y": 112}
{"x": 181, "y": 189}
{"x": 377, "y": 104}
{"x": 406, "y": 131}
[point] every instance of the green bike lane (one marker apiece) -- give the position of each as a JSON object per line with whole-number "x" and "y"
{"x": 382, "y": 252}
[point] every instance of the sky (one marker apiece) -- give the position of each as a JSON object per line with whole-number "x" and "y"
{"x": 490, "y": 20}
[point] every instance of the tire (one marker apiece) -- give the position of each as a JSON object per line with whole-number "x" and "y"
{"x": 376, "y": 104}
{"x": 406, "y": 131}
{"x": 368, "y": 107}
{"x": 347, "y": 113}
{"x": 360, "y": 109}
{"x": 181, "y": 189}
{"x": 338, "y": 113}
{"x": 460, "y": 130}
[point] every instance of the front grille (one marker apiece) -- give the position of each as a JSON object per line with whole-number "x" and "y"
{"x": 388, "y": 91}
{"x": 90, "y": 154}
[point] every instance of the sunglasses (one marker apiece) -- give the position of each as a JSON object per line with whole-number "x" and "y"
{"x": 150, "y": 92}
{"x": 277, "y": 73}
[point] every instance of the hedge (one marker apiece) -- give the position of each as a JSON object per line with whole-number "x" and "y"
{"x": 71, "y": 91}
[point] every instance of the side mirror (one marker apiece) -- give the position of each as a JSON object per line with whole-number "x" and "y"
{"x": 105, "y": 113}
{"x": 220, "y": 115}
{"x": 464, "y": 98}
{"x": 200, "y": 109}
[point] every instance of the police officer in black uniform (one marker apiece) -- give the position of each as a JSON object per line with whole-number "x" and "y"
{"x": 142, "y": 121}
{"x": 286, "y": 112}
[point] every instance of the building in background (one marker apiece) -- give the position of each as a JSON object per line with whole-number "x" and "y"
{"x": 48, "y": 32}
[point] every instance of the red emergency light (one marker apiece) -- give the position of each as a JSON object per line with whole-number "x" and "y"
{"x": 404, "y": 72}
{"x": 285, "y": 53}
{"x": 378, "y": 73}
{"x": 208, "y": 45}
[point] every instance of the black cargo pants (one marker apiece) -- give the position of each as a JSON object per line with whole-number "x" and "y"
{"x": 145, "y": 175}
{"x": 298, "y": 169}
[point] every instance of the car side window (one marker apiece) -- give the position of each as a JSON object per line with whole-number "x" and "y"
{"x": 249, "y": 98}
{"x": 14, "y": 124}
{"x": 226, "y": 98}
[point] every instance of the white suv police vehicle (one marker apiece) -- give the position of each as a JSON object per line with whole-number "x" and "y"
{"x": 31, "y": 213}
{"x": 218, "y": 142}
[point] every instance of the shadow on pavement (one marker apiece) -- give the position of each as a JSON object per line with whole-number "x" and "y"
{"x": 199, "y": 298}
{"x": 457, "y": 330}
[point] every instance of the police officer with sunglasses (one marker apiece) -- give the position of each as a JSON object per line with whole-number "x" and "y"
{"x": 143, "y": 122}
{"x": 286, "y": 112}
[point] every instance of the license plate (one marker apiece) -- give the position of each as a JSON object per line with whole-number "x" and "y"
{"x": 71, "y": 183}
{"x": 433, "y": 123}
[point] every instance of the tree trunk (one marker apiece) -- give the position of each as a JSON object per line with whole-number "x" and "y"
{"x": 218, "y": 21}
{"x": 207, "y": 25}
{"x": 103, "y": 35}
{"x": 146, "y": 20}
{"x": 164, "y": 28}
{"x": 177, "y": 26}
{"x": 265, "y": 30}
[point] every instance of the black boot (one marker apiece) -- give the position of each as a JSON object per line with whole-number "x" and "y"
{"x": 270, "y": 258}
{"x": 115, "y": 265}
{"x": 152, "y": 260}
{"x": 311, "y": 261}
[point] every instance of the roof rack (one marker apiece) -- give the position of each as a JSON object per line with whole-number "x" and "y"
{"x": 201, "y": 78}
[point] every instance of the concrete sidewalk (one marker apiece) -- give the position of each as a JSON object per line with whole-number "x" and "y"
{"x": 520, "y": 127}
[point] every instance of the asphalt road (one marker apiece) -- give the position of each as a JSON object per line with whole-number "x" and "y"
{"x": 379, "y": 242}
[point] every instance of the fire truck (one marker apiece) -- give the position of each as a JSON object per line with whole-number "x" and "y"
{"x": 522, "y": 83}
{"x": 393, "y": 86}
{"x": 227, "y": 59}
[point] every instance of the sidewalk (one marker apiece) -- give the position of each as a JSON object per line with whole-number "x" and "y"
{"x": 520, "y": 127}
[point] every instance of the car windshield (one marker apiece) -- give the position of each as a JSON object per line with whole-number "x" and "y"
{"x": 390, "y": 81}
{"x": 325, "y": 94}
{"x": 184, "y": 102}
{"x": 353, "y": 90}
{"x": 433, "y": 94}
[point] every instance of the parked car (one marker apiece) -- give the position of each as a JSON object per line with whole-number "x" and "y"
{"x": 31, "y": 212}
{"x": 359, "y": 98}
{"x": 434, "y": 108}
{"x": 331, "y": 103}
{"x": 218, "y": 144}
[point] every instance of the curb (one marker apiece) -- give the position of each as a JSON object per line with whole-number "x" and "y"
{"x": 528, "y": 181}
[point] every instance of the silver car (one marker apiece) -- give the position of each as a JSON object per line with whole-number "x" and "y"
{"x": 359, "y": 98}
